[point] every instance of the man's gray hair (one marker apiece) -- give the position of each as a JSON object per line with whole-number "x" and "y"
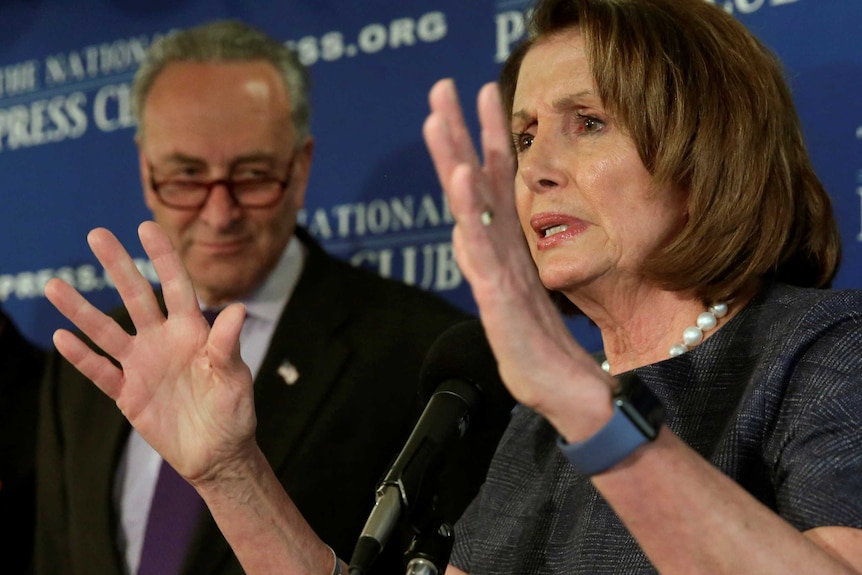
{"x": 226, "y": 41}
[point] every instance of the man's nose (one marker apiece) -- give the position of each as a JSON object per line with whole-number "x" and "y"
{"x": 220, "y": 208}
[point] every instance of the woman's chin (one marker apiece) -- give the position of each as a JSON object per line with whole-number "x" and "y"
{"x": 560, "y": 280}
{"x": 563, "y": 269}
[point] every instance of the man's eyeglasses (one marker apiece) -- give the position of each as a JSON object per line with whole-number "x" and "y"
{"x": 246, "y": 192}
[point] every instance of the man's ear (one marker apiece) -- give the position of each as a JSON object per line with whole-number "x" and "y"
{"x": 302, "y": 169}
{"x": 306, "y": 152}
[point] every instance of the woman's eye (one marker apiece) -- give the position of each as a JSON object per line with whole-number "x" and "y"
{"x": 522, "y": 141}
{"x": 591, "y": 125}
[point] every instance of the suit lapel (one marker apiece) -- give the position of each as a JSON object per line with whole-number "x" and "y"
{"x": 307, "y": 336}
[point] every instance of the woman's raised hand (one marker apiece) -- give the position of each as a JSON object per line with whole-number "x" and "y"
{"x": 182, "y": 385}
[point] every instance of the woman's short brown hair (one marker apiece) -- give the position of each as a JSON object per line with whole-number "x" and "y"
{"x": 710, "y": 112}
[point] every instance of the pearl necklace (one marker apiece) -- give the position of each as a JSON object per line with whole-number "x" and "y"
{"x": 692, "y": 335}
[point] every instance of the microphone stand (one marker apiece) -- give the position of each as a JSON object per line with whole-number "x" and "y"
{"x": 429, "y": 551}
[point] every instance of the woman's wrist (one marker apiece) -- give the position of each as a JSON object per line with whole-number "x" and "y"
{"x": 336, "y": 567}
{"x": 232, "y": 475}
{"x": 580, "y": 412}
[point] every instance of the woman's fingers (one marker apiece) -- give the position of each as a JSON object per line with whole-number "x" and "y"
{"x": 496, "y": 144}
{"x": 177, "y": 288}
{"x": 135, "y": 291}
{"x": 101, "y": 329}
{"x": 95, "y": 367}
{"x": 446, "y": 135}
{"x": 443, "y": 99}
{"x": 224, "y": 343}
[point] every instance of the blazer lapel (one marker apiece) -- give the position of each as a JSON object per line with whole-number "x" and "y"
{"x": 307, "y": 337}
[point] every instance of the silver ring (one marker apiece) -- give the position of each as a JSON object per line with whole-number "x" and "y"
{"x": 487, "y": 217}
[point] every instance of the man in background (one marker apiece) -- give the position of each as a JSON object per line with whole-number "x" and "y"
{"x": 21, "y": 365}
{"x": 225, "y": 154}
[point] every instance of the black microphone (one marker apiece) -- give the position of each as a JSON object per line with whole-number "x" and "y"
{"x": 460, "y": 376}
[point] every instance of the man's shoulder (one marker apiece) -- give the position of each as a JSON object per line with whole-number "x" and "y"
{"x": 20, "y": 359}
{"x": 364, "y": 285}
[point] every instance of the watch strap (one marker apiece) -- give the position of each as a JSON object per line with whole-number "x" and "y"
{"x": 637, "y": 417}
{"x": 618, "y": 439}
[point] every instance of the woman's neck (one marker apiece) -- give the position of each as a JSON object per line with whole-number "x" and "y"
{"x": 640, "y": 326}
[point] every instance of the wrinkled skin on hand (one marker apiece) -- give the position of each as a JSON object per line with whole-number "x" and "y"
{"x": 182, "y": 385}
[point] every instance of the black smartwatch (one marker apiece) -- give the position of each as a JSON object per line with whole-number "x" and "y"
{"x": 638, "y": 416}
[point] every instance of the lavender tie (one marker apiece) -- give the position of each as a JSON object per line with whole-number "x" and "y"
{"x": 174, "y": 513}
{"x": 173, "y": 516}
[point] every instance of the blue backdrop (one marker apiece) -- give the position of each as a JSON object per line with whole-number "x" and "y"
{"x": 68, "y": 162}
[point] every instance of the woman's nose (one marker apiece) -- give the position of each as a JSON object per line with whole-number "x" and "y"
{"x": 541, "y": 166}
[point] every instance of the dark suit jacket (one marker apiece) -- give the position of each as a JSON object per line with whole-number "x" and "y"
{"x": 21, "y": 366}
{"x": 357, "y": 341}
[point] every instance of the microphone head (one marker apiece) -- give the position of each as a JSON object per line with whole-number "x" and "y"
{"x": 462, "y": 353}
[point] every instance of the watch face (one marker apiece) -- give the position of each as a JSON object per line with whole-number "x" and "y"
{"x": 639, "y": 404}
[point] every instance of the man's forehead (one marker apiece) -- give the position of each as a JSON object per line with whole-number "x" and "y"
{"x": 199, "y": 109}
{"x": 180, "y": 158}
{"x": 241, "y": 83}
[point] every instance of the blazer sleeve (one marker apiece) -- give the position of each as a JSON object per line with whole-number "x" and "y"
{"x": 21, "y": 366}
{"x": 52, "y": 537}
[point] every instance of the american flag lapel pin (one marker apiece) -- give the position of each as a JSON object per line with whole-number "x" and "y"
{"x": 288, "y": 372}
